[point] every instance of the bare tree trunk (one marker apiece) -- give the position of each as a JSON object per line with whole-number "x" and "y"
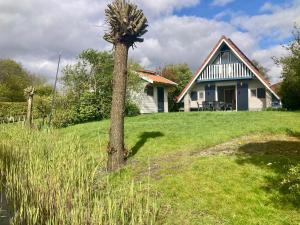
{"x": 116, "y": 150}
{"x": 29, "y": 110}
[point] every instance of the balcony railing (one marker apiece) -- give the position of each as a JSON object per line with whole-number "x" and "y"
{"x": 225, "y": 71}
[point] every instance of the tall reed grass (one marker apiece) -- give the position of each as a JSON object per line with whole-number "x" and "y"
{"x": 51, "y": 179}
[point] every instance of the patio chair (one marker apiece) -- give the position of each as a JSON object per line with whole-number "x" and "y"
{"x": 222, "y": 105}
{"x": 206, "y": 105}
{"x": 216, "y": 106}
{"x": 200, "y": 106}
{"x": 228, "y": 107}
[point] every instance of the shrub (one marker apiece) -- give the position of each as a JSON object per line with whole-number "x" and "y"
{"x": 131, "y": 109}
{"x": 64, "y": 118}
{"x": 292, "y": 182}
{"x": 12, "y": 108}
{"x": 88, "y": 109}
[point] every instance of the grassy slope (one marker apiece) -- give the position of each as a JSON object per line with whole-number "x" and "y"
{"x": 159, "y": 134}
{"x": 210, "y": 190}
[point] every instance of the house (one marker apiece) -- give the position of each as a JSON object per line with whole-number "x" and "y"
{"x": 154, "y": 95}
{"x": 229, "y": 79}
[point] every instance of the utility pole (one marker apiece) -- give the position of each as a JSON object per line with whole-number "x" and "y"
{"x": 54, "y": 90}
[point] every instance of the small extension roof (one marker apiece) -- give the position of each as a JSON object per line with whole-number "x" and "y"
{"x": 239, "y": 54}
{"x": 153, "y": 77}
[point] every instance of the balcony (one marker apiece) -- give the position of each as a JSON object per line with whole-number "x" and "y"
{"x": 231, "y": 71}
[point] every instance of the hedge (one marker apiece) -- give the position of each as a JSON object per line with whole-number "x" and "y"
{"x": 8, "y": 109}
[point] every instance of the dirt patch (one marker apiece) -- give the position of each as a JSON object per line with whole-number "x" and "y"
{"x": 179, "y": 160}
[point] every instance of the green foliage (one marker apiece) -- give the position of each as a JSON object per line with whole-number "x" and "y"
{"x": 264, "y": 71}
{"x": 65, "y": 118}
{"x": 131, "y": 109}
{"x": 12, "y": 109}
{"x": 42, "y": 107}
{"x": 14, "y": 79}
{"x": 180, "y": 74}
{"x": 291, "y": 182}
{"x": 88, "y": 85}
{"x": 290, "y": 87}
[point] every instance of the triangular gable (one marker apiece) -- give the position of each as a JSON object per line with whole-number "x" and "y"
{"x": 241, "y": 56}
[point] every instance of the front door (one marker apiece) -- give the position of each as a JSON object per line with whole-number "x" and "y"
{"x": 229, "y": 97}
{"x": 242, "y": 96}
{"x": 161, "y": 99}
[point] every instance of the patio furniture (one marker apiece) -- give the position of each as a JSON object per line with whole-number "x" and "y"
{"x": 207, "y": 106}
{"x": 200, "y": 106}
{"x": 228, "y": 106}
{"x": 222, "y": 106}
{"x": 216, "y": 106}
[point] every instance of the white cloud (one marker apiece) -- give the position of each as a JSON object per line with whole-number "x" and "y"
{"x": 264, "y": 57}
{"x": 276, "y": 25}
{"x": 34, "y": 31}
{"x": 221, "y": 2}
{"x": 157, "y": 7}
{"x": 269, "y": 7}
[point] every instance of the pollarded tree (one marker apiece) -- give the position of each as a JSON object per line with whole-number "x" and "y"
{"x": 127, "y": 24}
{"x": 29, "y": 92}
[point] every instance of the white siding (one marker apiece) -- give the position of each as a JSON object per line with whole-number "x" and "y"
{"x": 166, "y": 105}
{"x": 199, "y": 88}
{"x": 187, "y": 102}
{"x": 256, "y": 104}
{"x": 148, "y": 104}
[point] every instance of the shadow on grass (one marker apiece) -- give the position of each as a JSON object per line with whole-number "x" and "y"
{"x": 144, "y": 137}
{"x": 278, "y": 156}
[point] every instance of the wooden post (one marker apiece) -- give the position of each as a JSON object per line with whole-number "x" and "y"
{"x": 29, "y": 92}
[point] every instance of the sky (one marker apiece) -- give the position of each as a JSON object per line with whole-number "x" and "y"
{"x": 34, "y": 32}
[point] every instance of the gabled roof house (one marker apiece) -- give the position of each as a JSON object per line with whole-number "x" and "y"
{"x": 228, "y": 78}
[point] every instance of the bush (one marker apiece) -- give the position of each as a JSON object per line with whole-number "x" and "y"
{"x": 89, "y": 108}
{"x": 292, "y": 182}
{"x": 12, "y": 109}
{"x": 64, "y": 118}
{"x": 131, "y": 109}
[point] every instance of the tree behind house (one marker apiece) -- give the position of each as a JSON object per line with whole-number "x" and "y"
{"x": 290, "y": 87}
{"x": 180, "y": 74}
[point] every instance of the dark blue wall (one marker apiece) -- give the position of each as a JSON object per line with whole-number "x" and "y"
{"x": 210, "y": 93}
{"x": 242, "y": 96}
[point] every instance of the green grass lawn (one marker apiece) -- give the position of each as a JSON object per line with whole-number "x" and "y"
{"x": 241, "y": 188}
{"x": 161, "y": 134}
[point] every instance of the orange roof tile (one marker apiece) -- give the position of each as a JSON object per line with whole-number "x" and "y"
{"x": 154, "y": 77}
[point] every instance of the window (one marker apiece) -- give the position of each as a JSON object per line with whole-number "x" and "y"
{"x": 194, "y": 96}
{"x": 225, "y": 57}
{"x": 149, "y": 90}
{"x": 201, "y": 95}
{"x": 261, "y": 93}
{"x": 253, "y": 92}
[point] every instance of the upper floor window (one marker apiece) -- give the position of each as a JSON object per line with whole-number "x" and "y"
{"x": 225, "y": 57}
